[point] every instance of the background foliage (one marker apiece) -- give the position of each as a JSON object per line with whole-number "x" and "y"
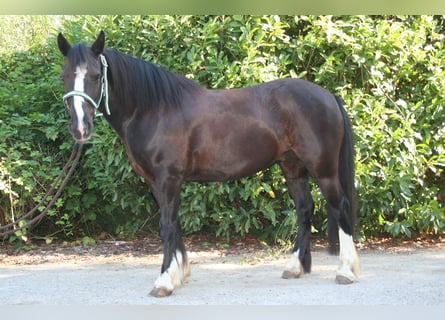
{"x": 388, "y": 69}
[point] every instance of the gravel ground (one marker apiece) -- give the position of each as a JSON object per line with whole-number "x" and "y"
{"x": 248, "y": 273}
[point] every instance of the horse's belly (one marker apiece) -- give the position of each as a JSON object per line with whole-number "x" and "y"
{"x": 234, "y": 157}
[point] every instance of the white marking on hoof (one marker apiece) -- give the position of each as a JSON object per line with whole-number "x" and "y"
{"x": 171, "y": 278}
{"x": 349, "y": 267}
{"x": 294, "y": 269}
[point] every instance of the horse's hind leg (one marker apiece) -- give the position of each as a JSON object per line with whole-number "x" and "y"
{"x": 299, "y": 189}
{"x": 339, "y": 210}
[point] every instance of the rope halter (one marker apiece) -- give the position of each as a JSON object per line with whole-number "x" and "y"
{"x": 103, "y": 90}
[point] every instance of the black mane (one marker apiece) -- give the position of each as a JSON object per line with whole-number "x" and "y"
{"x": 138, "y": 83}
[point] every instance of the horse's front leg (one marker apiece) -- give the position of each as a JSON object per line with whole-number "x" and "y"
{"x": 175, "y": 267}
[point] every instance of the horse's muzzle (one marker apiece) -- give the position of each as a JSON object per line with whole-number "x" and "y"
{"x": 81, "y": 131}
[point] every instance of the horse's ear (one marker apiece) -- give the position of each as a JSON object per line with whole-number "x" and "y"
{"x": 99, "y": 45}
{"x": 63, "y": 44}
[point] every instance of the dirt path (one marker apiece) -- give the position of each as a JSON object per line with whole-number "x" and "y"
{"x": 122, "y": 274}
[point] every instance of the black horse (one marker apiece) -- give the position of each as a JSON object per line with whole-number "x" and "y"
{"x": 175, "y": 130}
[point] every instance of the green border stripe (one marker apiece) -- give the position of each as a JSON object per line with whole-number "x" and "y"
{"x": 336, "y": 7}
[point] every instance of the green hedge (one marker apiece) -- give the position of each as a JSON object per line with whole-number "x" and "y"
{"x": 389, "y": 70}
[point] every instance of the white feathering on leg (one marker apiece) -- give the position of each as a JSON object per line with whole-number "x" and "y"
{"x": 175, "y": 275}
{"x": 294, "y": 269}
{"x": 349, "y": 262}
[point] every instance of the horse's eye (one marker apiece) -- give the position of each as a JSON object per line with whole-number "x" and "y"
{"x": 94, "y": 77}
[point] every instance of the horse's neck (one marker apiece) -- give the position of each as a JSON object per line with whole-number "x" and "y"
{"x": 120, "y": 116}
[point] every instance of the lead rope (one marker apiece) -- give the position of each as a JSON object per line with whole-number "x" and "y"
{"x": 13, "y": 227}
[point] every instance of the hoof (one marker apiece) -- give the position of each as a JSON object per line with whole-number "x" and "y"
{"x": 287, "y": 274}
{"x": 339, "y": 279}
{"x": 160, "y": 292}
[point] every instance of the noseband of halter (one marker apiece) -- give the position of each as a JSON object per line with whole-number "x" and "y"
{"x": 103, "y": 90}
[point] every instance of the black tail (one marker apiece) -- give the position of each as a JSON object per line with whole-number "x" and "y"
{"x": 347, "y": 179}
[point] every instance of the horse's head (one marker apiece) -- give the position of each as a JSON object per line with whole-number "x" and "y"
{"x": 84, "y": 76}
